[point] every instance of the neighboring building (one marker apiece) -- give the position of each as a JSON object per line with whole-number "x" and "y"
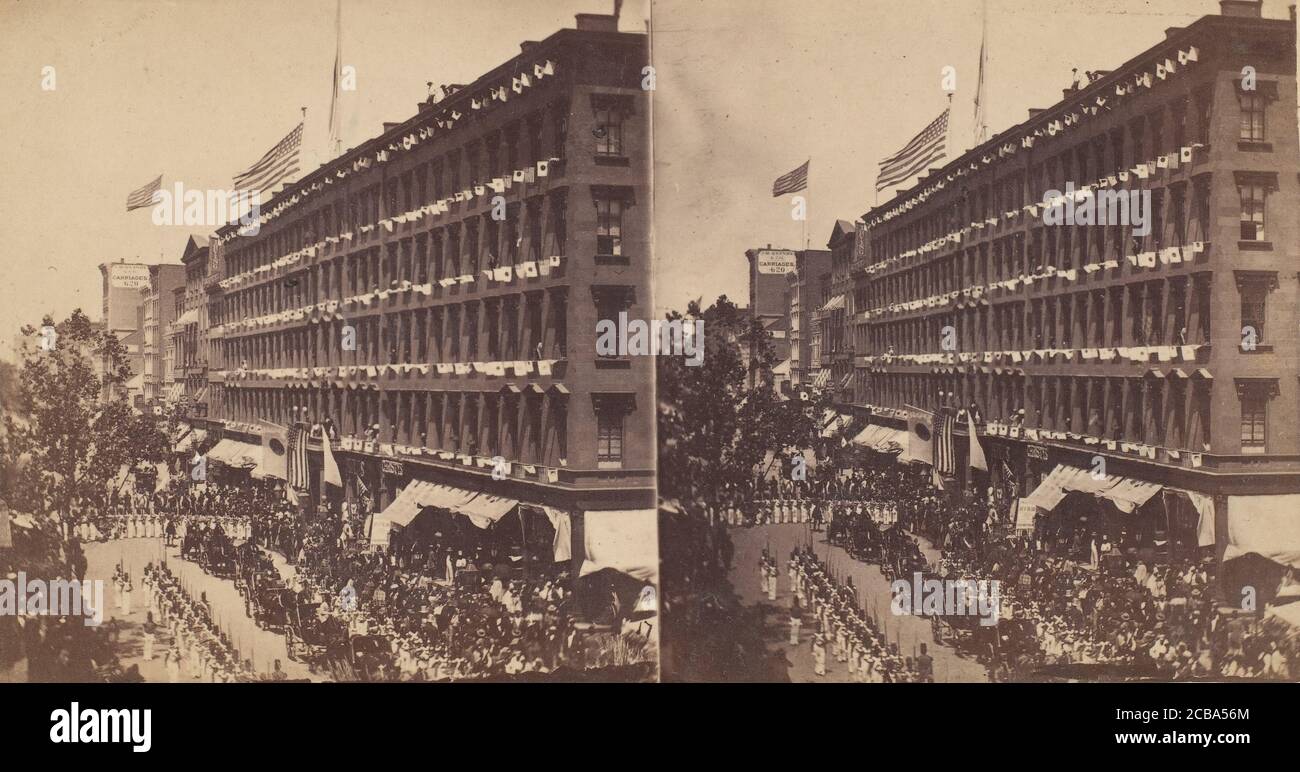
{"x": 837, "y": 344}
{"x": 386, "y": 294}
{"x": 158, "y": 316}
{"x": 122, "y": 283}
{"x": 769, "y": 304}
{"x": 189, "y": 333}
{"x": 806, "y": 300}
{"x": 1171, "y": 356}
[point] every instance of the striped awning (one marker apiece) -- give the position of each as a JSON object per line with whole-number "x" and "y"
{"x": 834, "y": 303}
{"x": 482, "y": 509}
{"x": 876, "y": 435}
{"x": 234, "y": 453}
{"x": 823, "y": 375}
{"x": 175, "y": 391}
{"x": 1126, "y": 493}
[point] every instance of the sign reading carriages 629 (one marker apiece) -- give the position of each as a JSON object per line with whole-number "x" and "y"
{"x": 776, "y": 261}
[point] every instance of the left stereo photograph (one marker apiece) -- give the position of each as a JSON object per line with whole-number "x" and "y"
{"x": 311, "y": 370}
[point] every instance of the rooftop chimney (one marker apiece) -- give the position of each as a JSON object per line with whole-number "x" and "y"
{"x": 601, "y": 22}
{"x": 527, "y": 46}
{"x": 1249, "y": 8}
{"x": 1034, "y": 111}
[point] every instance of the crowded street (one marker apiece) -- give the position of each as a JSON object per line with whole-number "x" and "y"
{"x": 906, "y": 631}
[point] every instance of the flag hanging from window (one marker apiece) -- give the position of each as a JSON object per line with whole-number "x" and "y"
{"x": 945, "y": 460}
{"x": 279, "y": 165}
{"x": 923, "y": 149}
{"x": 143, "y": 196}
{"x": 792, "y": 182}
{"x": 298, "y": 477}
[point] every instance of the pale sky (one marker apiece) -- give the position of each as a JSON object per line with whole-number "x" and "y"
{"x": 744, "y": 96}
{"x": 198, "y": 90}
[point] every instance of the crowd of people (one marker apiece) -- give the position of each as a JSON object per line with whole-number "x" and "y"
{"x": 427, "y": 612}
{"x": 1082, "y": 592}
{"x": 196, "y": 649}
{"x": 843, "y": 630}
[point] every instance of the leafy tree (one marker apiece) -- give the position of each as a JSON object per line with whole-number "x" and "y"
{"x": 70, "y": 430}
{"x": 713, "y": 429}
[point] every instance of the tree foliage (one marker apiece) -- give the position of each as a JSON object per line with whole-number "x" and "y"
{"x": 713, "y": 427}
{"x": 70, "y": 430}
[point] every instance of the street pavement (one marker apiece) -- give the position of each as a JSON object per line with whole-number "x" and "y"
{"x": 909, "y": 632}
{"x": 252, "y": 642}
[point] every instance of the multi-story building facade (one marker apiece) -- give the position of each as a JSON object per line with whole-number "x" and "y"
{"x": 769, "y": 305}
{"x": 433, "y": 296}
{"x": 837, "y": 344}
{"x": 122, "y": 283}
{"x": 189, "y": 331}
{"x": 158, "y": 317}
{"x": 806, "y": 300}
{"x": 1166, "y": 349}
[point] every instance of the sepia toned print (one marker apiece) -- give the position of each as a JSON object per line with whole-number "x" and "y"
{"x": 311, "y": 388}
{"x": 1000, "y": 375}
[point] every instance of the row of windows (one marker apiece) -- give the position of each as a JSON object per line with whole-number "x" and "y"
{"x": 1162, "y": 131}
{"x": 474, "y": 244}
{"x": 1064, "y": 247}
{"x": 519, "y": 145}
{"x": 1173, "y": 413}
{"x": 530, "y": 428}
{"x": 523, "y": 326}
{"x": 1175, "y": 312}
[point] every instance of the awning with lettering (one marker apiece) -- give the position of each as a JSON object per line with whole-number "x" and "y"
{"x": 625, "y": 540}
{"x": 1265, "y": 525}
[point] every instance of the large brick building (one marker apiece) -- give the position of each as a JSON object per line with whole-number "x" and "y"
{"x": 433, "y": 295}
{"x": 1172, "y": 356}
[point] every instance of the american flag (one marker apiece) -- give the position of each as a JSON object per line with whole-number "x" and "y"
{"x": 924, "y": 149}
{"x": 298, "y": 475}
{"x": 945, "y": 459}
{"x": 143, "y": 196}
{"x": 792, "y": 182}
{"x": 280, "y": 164}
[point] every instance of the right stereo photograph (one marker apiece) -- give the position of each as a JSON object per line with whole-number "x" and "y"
{"x": 982, "y": 360}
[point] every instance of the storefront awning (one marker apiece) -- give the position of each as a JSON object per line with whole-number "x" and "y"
{"x": 783, "y": 368}
{"x": 1126, "y": 493}
{"x": 625, "y": 540}
{"x": 879, "y": 436}
{"x": 175, "y": 391}
{"x": 189, "y": 317}
{"x": 834, "y": 303}
{"x": 234, "y": 453}
{"x": 822, "y": 377}
{"x": 1265, "y": 525}
{"x": 485, "y": 509}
